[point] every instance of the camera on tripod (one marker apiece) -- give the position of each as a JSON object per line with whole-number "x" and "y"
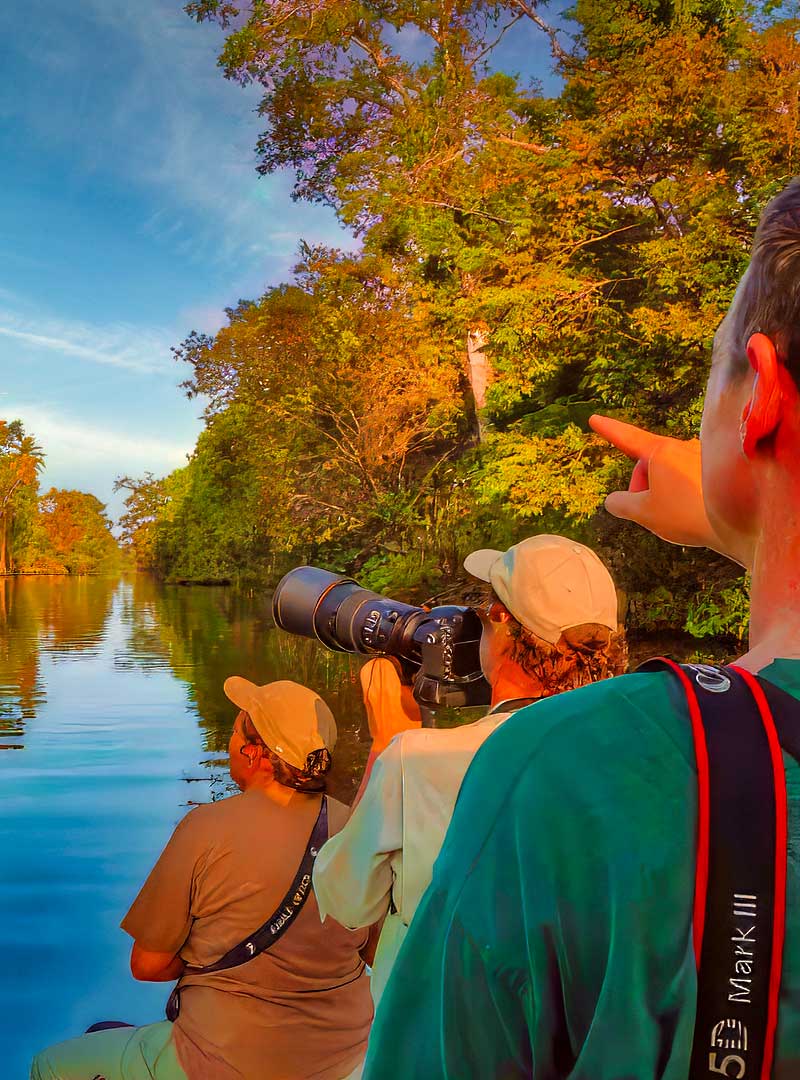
{"x": 441, "y": 644}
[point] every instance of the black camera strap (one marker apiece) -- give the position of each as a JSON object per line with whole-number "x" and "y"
{"x": 739, "y": 724}
{"x": 279, "y": 921}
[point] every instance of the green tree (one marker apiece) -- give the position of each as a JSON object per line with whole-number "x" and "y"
{"x": 417, "y": 147}
{"x": 78, "y": 532}
{"x": 346, "y": 403}
{"x": 144, "y": 506}
{"x": 20, "y": 463}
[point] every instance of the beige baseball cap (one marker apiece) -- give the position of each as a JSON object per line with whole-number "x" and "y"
{"x": 549, "y": 583}
{"x": 291, "y": 719}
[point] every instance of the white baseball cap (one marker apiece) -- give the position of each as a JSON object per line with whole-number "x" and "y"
{"x": 549, "y": 583}
{"x": 291, "y": 719}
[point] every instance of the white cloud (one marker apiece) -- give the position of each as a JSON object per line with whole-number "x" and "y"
{"x": 89, "y": 456}
{"x": 70, "y": 442}
{"x": 121, "y": 345}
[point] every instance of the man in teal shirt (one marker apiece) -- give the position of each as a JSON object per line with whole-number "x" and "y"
{"x": 555, "y": 938}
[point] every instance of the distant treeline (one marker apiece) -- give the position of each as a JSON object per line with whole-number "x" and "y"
{"x": 523, "y": 260}
{"x": 60, "y": 532}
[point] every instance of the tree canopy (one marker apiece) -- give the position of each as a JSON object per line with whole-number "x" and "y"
{"x": 524, "y": 259}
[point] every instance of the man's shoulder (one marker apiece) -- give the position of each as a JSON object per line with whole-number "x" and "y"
{"x": 601, "y": 717}
{"x": 430, "y": 740}
{"x": 605, "y": 766}
{"x": 592, "y": 740}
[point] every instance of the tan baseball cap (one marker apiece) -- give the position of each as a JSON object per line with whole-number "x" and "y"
{"x": 291, "y": 719}
{"x": 549, "y": 583}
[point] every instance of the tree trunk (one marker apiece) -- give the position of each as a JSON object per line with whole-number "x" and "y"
{"x": 480, "y": 370}
{"x": 4, "y": 543}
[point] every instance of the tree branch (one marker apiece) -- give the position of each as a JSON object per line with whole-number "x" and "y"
{"x": 379, "y": 60}
{"x": 528, "y": 8}
{"x": 535, "y": 148}
{"x": 493, "y": 44}
{"x": 463, "y": 210}
{"x": 597, "y": 239}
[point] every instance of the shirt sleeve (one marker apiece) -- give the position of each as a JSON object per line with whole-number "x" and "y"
{"x": 353, "y": 874}
{"x": 160, "y": 917}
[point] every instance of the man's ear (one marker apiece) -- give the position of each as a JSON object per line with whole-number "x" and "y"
{"x": 252, "y": 753}
{"x": 500, "y": 613}
{"x": 763, "y": 412}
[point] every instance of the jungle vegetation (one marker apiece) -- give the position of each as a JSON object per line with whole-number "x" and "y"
{"x": 520, "y": 259}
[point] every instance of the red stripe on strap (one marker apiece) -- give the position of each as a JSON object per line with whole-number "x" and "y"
{"x": 779, "y": 917}
{"x": 703, "y": 807}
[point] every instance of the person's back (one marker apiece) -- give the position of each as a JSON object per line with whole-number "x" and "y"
{"x": 231, "y": 891}
{"x": 395, "y": 835}
{"x": 560, "y": 874}
{"x": 556, "y": 940}
{"x": 304, "y": 1005}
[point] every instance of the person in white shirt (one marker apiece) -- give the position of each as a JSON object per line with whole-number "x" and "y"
{"x": 549, "y": 624}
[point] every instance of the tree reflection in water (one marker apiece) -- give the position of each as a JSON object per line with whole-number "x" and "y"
{"x": 44, "y": 615}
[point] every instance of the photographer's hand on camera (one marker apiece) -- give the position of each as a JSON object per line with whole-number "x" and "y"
{"x": 389, "y": 701}
{"x": 390, "y": 706}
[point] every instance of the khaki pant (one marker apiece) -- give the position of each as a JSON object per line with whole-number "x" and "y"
{"x": 118, "y": 1054}
{"x": 143, "y": 1053}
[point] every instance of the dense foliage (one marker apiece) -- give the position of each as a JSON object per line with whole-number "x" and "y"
{"x": 61, "y": 532}
{"x": 524, "y": 260}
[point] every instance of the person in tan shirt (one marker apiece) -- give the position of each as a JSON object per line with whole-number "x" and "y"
{"x": 300, "y": 1010}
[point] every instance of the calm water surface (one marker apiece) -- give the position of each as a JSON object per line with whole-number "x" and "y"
{"x": 112, "y": 723}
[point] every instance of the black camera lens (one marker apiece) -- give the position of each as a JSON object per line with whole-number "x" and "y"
{"x": 345, "y": 617}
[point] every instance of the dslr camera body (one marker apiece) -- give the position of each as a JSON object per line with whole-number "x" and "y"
{"x": 441, "y": 644}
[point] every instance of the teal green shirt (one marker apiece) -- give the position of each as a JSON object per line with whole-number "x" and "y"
{"x": 555, "y": 938}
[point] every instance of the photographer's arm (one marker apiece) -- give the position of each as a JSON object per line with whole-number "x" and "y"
{"x": 665, "y": 492}
{"x": 160, "y": 918}
{"x": 390, "y": 708}
{"x": 353, "y": 873}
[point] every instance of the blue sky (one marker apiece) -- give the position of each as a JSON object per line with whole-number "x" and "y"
{"x": 131, "y": 213}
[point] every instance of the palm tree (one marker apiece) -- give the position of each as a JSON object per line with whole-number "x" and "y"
{"x": 20, "y": 462}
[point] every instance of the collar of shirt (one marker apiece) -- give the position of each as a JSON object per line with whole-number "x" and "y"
{"x": 511, "y": 705}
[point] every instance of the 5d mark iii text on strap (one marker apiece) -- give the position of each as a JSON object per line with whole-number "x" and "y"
{"x": 740, "y": 881}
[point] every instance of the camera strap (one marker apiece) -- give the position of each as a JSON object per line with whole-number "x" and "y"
{"x": 739, "y": 725}
{"x": 271, "y": 931}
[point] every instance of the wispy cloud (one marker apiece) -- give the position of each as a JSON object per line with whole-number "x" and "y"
{"x": 70, "y": 442}
{"x": 133, "y": 348}
{"x": 171, "y": 125}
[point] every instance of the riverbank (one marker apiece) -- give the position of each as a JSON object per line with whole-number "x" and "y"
{"x": 63, "y": 572}
{"x": 205, "y": 582}
{"x": 711, "y": 623}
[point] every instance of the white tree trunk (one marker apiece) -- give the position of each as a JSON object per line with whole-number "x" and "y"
{"x": 480, "y": 370}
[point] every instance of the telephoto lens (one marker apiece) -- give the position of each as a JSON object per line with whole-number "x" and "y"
{"x": 443, "y": 643}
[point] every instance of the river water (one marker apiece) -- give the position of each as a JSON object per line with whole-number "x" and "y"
{"x": 112, "y": 723}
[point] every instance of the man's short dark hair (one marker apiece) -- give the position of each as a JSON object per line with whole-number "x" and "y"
{"x": 769, "y": 301}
